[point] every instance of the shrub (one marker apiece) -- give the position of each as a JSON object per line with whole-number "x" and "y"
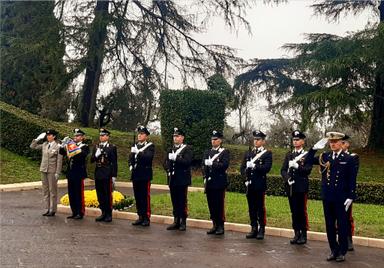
{"x": 367, "y": 192}
{"x": 197, "y": 112}
{"x": 19, "y": 127}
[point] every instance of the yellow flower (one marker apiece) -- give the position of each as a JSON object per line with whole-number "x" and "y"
{"x": 90, "y": 198}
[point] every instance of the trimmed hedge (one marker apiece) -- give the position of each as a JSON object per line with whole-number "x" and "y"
{"x": 19, "y": 127}
{"x": 195, "y": 111}
{"x": 367, "y": 192}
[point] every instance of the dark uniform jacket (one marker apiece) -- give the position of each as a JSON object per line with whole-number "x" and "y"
{"x": 300, "y": 175}
{"x": 338, "y": 176}
{"x": 141, "y": 164}
{"x": 179, "y": 171}
{"x": 258, "y": 175}
{"x": 216, "y": 175}
{"x": 77, "y": 164}
{"x": 356, "y": 160}
{"x": 106, "y": 163}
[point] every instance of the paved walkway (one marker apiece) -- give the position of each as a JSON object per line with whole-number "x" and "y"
{"x": 31, "y": 240}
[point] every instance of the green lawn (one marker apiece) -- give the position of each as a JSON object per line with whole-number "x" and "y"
{"x": 369, "y": 219}
{"x": 15, "y": 168}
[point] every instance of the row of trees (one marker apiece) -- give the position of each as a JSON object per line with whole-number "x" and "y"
{"x": 138, "y": 45}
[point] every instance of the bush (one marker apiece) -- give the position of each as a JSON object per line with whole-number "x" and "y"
{"x": 197, "y": 112}
{"x": 19, "y": 127}
{"x": 367, "y": 192}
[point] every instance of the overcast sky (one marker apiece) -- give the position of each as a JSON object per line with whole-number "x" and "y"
{"x": 272, "y": 27}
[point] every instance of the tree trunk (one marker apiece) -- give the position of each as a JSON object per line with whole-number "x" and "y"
{"x": 376, "y": 137}
{"x": 95, "y": 55}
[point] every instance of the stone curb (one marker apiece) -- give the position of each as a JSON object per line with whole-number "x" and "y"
{"x": 236, "y": 227}
{"x": 25, "y": 186}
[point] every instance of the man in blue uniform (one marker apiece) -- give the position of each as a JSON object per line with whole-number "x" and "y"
{"x": 140, "y": 164}
{"x": 350, "y": 223}
{"x": 76, "y": 173}
{"x": 178, "y": 167}
{"x": 215, "y": 164}
{"x": 338, "y": 186}
{"x": 105, "y": 156}
{"x": 257, "y": 162}
{"x": 295, "y": 172}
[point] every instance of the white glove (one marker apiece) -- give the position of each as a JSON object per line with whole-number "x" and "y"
{"x": 62, "y": 145}
{"x": 293, "y": 164}
{"x": 247, "y": 183}
{"x": 41, "y": 136}
{"x": 57, "y": 176}
{"x": 250, "y": 164}
{"x": 348, "y": 203}
{"x": 113, "y": 180}
{"x": 208, "y": 162}
{"x": 320, "y": 144}
{"x": 66, "y": 140}
{"x": 172, "y": 156}
{"x": 98, "y": 152}
{"x": 134, "y": 150}
{"x": 290, "y": 182}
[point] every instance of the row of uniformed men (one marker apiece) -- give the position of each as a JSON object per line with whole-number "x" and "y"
{"x": 338, "y": 169}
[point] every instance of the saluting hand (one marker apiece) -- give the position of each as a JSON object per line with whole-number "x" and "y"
{"x": 41, "y": 136}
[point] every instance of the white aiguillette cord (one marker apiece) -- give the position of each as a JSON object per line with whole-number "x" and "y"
{"x": 140, "y": 150}
{"x": 178, "y": 151}
{"x": 258, "y": 156}
{"x": 215, "y": 157}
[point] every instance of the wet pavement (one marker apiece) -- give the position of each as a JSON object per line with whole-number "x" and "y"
{"x": 31, "y": 240}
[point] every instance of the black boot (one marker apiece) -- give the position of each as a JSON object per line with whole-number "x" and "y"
{"x": 139, "y": 221}
{"x": 350, "y": 243}
{"x": 219, "y": 229}
{"x": 108, "y": 217}
{"x": 145, "y": 222}
{"x": 213, "y": 229}
{"x": 183, "y": 224}
{"x": 175, "y": 225}
{"x": 295, "y": 238}
{"x": 252, "y": 233}
{"x": 303, "y": 238}
{"x": 101, "y": 217}
{"x": 46, "y": 213}
{"x": 260, "y": 234}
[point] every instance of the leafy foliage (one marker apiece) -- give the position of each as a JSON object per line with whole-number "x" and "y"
{"x": 367, "y": 192}
{"x": 33, "y": 75}
{"x": 197, "y": 112}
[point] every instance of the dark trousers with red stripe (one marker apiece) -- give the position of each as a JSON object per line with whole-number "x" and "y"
{"x": 179, "y": 200}
{"x": 350, "y": 222}
{"x": 256, "y": 207}
{"x": 104, "y": 195}
{"x": 216, "y": 199}
{"x": 298, "y": 205}
{"x": 76, "y": 195}
{"x": 142, "y": 192}
{"x": 335, "y": 215}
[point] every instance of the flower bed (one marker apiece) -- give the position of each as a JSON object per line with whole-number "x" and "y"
{"x": 90, "y": 199}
